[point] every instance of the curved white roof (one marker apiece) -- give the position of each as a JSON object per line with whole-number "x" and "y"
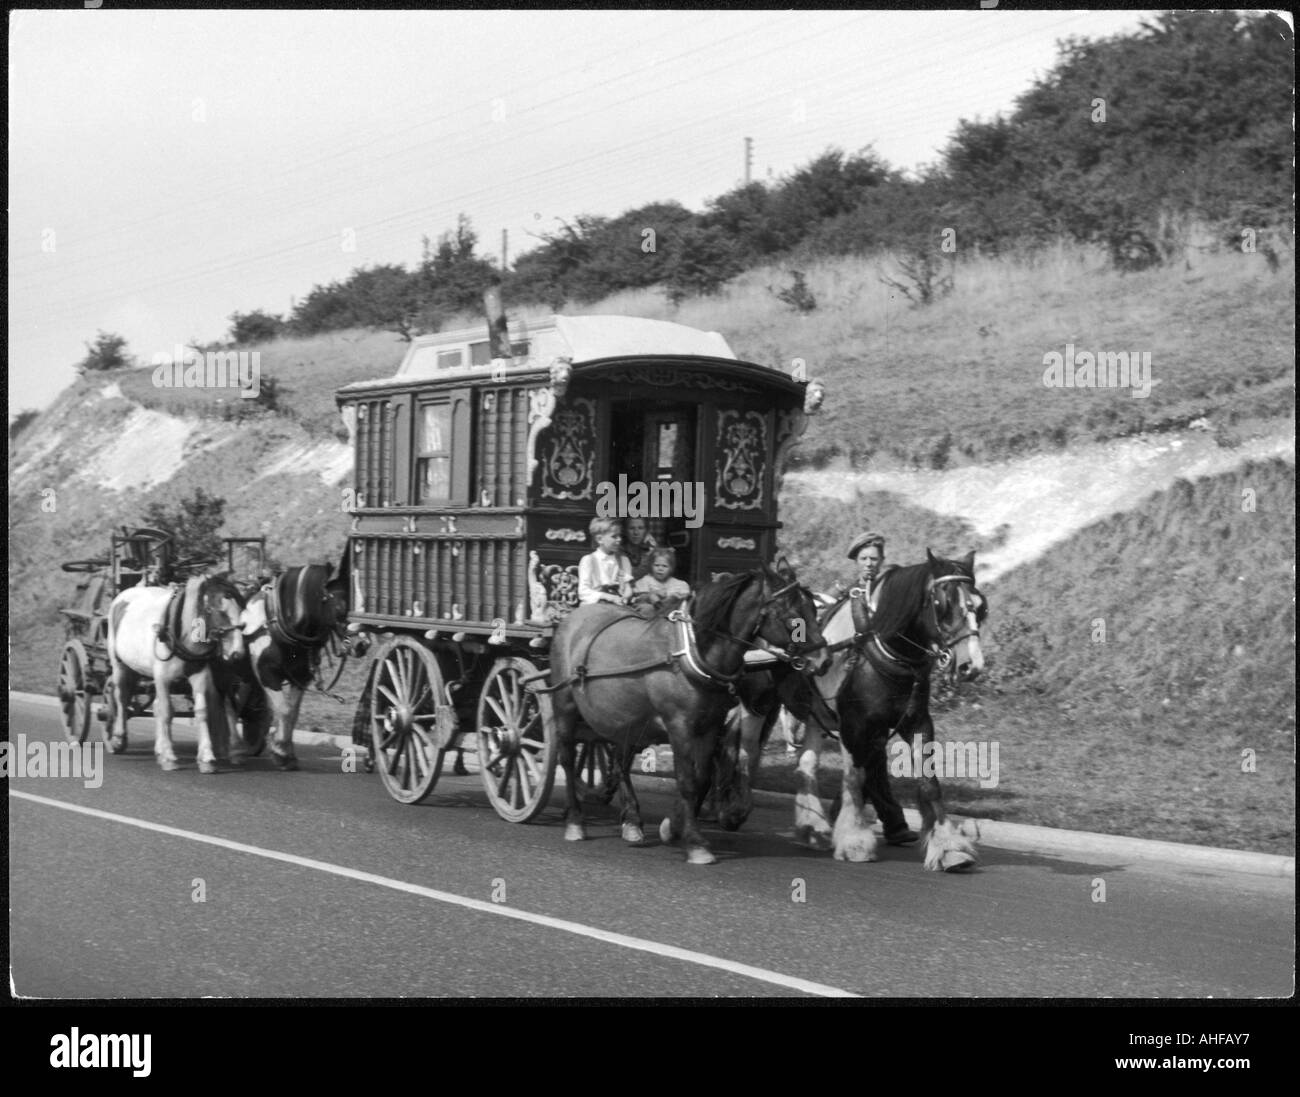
{"x": 578, "y": 338}
{"x": 592, "y": 337}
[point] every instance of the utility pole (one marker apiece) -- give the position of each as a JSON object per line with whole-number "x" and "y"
{"x": 749, "y": 158}
{"x": 505, "y": 233}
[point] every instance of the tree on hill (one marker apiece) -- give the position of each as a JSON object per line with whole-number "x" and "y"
{"x": 1141, "y": 136}
{"x": 108, "y": 352}
{"x": 451, "y": 277}
{"x": 701, "y": 264}
{"x": 193, "y": 521}
{"x": 248, "y": 329}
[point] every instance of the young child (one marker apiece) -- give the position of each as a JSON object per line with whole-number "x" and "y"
{"x": 606, "y": 574}
{"x": 659, "y": 588}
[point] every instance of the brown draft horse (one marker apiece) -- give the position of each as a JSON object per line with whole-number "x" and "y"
{"x": 636, "y": 682}
{"x": 925, "y": 612}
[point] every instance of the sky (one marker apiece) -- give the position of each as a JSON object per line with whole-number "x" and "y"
{"x": 170, "y": 168}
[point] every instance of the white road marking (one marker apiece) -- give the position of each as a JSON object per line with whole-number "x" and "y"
{"x": 639, "y": 944}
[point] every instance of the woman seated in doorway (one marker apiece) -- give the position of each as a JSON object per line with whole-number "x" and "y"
{"x": 638, "y": 545}
{"x": 606, "y": 574}
{"x": 659, "y": 588}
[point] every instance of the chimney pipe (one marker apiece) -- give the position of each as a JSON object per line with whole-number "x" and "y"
{"x": 498, "y": 332}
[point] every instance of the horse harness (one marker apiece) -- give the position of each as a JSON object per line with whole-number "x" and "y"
{"x": 290, "y": 608}
{"x": 693, "y": 663}
{"x": 172, "y": 633}
{"x": 893, "y": 665}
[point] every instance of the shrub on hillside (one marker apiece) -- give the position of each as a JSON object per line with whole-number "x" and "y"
{"x": 108, "y": 352}
{"x": 193, "y": 521}
{"x": 21, "y": 422}
{"x": 704, "y": 261}
{"x": 248, "y": 329}
{"x": 797, "y": 295}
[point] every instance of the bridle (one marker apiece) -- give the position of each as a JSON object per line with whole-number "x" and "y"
{"x": 757, "y": 643}
{"x": 969, "y": 625}
{"x": 940, "y": 649}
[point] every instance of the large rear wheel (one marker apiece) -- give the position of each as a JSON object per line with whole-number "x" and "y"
{"x": 516, "y": 741}
{"x": 406, "y": 695}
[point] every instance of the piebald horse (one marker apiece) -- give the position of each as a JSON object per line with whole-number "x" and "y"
{"x": 153, "y": 636}
{"x": 286, "y": 626}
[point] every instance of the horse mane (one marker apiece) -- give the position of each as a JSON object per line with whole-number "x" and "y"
{"x": 900, "y": 598}
{"x": 716, "y": 600}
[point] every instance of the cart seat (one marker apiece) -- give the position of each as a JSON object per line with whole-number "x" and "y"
{"x": 90, "y": 600}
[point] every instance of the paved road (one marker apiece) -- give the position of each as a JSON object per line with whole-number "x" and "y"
{"x": 317, "y": 884}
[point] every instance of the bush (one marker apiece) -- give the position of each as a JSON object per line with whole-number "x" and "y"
{"x": 108, "y": 352}
{"x": 798, "y": 296}
{"x": 193, "y": 522}
{"x": 247, "y": 329}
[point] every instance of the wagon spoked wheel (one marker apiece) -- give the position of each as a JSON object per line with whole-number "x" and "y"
{"x": 516, "y": 741}
{"x": 74, "y": 692}
{"x": 596, "y": 769}
{"x": 405, "y": 694}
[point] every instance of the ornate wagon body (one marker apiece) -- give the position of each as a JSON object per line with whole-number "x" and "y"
{"x": 475, "y": 481}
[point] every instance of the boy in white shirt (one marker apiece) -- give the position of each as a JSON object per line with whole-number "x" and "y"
{"x": 606, "y": 574}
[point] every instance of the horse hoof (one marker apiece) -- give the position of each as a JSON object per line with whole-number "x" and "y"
{"x": 633, "y": 835}
{"x": 117, "y": 744}
{"x": 286, "y": 764}
{"x": 813, "y": 839}
{"x": 700, "y": 856}
{"x": 459, "y": 768}
{"x": 954, "y": 861}
{"x": 207, "y": 767}
{"x": 168, "y": 764}
{"x": 666, "y": 831}
{"x": 575, "y": 832}
{"x": 856, "y": 852}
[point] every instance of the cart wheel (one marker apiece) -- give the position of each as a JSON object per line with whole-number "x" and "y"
{"x": 406, "y": 687}
{"x": 596, "y": 769}
{"x": 74, "y": 692}
{"x": 516, "y": 741}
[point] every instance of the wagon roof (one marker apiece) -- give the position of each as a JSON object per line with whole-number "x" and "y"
{"x": 578, "y": 339}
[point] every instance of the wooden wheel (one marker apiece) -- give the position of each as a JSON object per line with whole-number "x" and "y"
{"x": 596, "y": 769}
{"x": 516, "y": 741}
{"x": 74, "y": 692}
{"x": 406, "y": 693}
